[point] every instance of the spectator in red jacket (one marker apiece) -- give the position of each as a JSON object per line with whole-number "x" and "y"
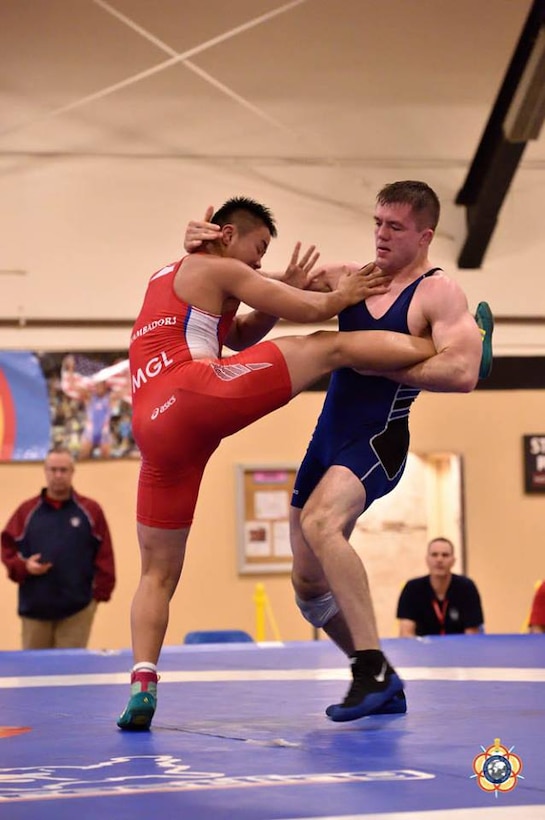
{"x": 537, "y": 615}
{"x": 57, "y": 547}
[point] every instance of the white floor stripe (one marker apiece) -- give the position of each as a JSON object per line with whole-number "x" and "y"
{"x": 495, "y": 812}
{"x": 479, "y": 674}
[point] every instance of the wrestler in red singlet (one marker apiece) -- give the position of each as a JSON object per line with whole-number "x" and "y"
{"x": 186, "y": 398}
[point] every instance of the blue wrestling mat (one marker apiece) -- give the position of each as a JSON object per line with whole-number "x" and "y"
{"x": 240, "y": 732}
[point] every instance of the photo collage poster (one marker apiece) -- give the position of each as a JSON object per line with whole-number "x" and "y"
{"x": 81, "y": 401}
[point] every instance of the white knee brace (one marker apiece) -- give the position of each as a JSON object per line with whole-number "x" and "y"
{"x": 318, "y": 611}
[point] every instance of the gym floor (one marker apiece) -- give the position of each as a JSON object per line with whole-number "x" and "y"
{"x": 240, "y": 732}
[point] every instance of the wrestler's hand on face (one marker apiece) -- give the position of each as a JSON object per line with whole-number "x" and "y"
{"x": 199, "y": 231}
{"x": 298, "y": 270}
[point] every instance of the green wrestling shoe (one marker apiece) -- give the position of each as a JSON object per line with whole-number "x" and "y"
{"x": 138, "y": 713}
{"x": 485, "y": 323}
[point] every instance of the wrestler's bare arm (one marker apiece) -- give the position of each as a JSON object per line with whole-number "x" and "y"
{"x": 249, "y": 328}
{"x": 455, "y": 335}
{"x": 278, "y": 299}
{"x": 253, "y": 326}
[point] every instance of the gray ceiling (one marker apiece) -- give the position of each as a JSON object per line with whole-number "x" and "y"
{"x": 331, "y": 80}
{"x": 317, "y": 101}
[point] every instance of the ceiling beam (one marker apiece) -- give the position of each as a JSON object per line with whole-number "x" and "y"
{"x": 500, "y": 149}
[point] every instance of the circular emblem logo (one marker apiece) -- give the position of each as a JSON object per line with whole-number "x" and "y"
{"x": 497, "y": 769}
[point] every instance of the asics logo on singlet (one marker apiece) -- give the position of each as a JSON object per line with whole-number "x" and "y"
{"x": 163, "y": 408}
{"x": 228, "y": 372}
{"x": 151, "y": 369}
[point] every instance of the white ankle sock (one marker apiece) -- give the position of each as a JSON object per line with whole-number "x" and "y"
{"x": 144, "y": 666}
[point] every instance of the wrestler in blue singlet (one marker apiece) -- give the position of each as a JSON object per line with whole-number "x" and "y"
{"x": 364, "y": 423}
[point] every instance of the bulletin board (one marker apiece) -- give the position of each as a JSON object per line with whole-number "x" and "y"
{"x": 263, "y": 501}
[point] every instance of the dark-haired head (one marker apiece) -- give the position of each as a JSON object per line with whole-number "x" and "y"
{"x": 246, "y": 214}
{"x": 422, "y": 199}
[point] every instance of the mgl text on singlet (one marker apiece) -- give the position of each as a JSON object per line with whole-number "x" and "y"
{"x": 151, "y": 369}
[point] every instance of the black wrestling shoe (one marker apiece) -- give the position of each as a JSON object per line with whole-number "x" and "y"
{"x": 395, "y": 706}
{"x": 369, "y": 694}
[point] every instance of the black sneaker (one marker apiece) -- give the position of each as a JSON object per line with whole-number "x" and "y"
{"x": 367, "y": 695}
{"x": 395, "y": 706}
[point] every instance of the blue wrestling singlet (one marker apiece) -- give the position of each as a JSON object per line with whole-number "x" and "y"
{"x": 364, "y": 423}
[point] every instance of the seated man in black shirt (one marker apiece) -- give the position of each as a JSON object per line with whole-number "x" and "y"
{"x": 440, "y": 603}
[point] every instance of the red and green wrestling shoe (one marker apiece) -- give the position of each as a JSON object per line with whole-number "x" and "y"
{"x": 140, "y": 709}
{"x": 138, "y": 713}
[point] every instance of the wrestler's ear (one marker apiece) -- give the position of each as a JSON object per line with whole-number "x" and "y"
{"x": 427, "y": 236}
{"x": 227, "y": 234}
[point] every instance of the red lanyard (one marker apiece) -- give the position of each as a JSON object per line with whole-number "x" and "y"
{"x": 441, "y": 612}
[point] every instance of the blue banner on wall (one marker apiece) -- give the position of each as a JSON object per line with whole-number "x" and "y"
{"x": 25, "y": 429}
